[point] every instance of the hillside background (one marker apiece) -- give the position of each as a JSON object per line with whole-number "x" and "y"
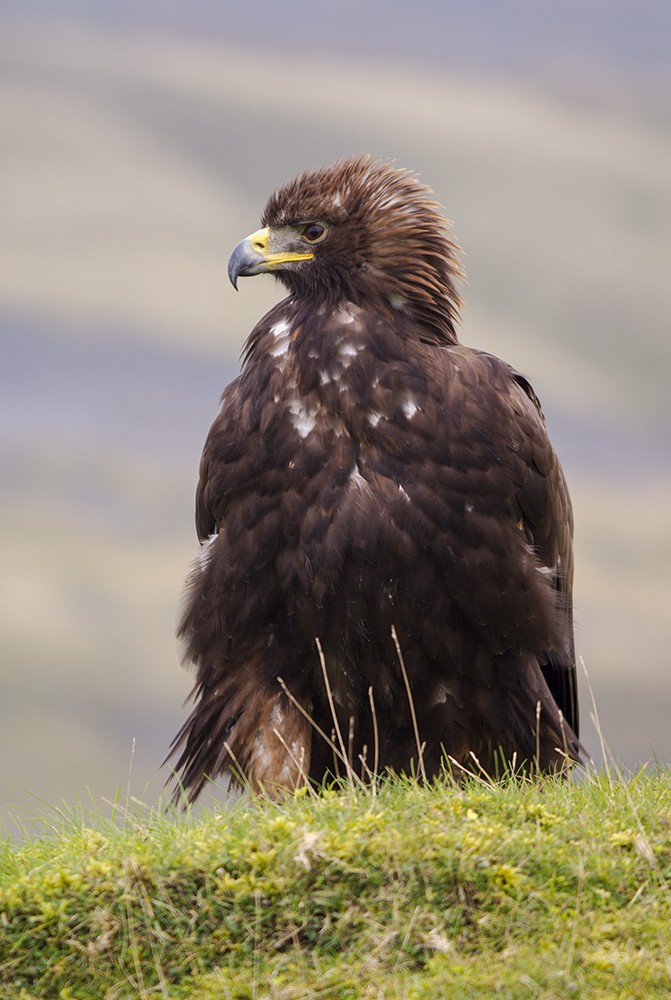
{"x": 138, "y": 144}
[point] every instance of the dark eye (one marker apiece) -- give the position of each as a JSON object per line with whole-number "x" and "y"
{"x": 313, "y": 232}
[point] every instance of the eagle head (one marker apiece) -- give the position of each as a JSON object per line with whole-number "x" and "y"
{"x": 360, "y": 230}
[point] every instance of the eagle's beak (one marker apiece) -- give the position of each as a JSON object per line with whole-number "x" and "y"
{"x": 252, "y": 256}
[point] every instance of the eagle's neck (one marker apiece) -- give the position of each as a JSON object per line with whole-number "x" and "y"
{"x": 334, "y": 372}
{"x": 323, "y": 350}
{"x": 421, "y": 293}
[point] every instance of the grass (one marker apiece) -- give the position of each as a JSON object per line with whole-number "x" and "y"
{"x": 520, "y": 889}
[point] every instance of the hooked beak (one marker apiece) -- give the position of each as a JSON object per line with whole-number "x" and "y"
{"x": 251, "y": 256}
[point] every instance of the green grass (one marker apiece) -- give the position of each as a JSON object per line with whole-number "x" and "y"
{"x": 551, "y": 889}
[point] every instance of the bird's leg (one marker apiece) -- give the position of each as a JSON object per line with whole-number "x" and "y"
{"x": 279, "y": 757}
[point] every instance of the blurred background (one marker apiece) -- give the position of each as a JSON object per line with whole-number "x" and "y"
{"x": 138, "y": 144}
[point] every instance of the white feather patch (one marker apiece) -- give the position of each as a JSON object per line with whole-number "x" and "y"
{"x": 356, "y": 479}
{"x": 205, "y": 554}
{"x": 442, "y": 691}
{"x": 399, "y": 302}
{"x": 281, "y": 332}
{"x": 303, "y": 420}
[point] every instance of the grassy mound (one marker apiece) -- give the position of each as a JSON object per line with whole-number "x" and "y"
{"x": 515, "y": 890}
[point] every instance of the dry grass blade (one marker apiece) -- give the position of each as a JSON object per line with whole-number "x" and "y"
{"x": 239, "y": 773}
{"x": 307, "y": 716}
{"x": 469, "y": 772}
{"x": 376, "y": 759}
{"x": 420, "y": 746}
{"x": 302, "y": 777}
{"x": 562, "y": 726}
{"x": 481, "y": 769}
{"x": 337, "y": 753}
{"x": 352, "y": 778}
{"x": 594, "y": 716}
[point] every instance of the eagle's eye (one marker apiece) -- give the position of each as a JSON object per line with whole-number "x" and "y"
{"x": 313, "y": 232}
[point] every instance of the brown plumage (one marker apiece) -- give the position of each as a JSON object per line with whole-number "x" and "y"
{"x": 367, "y": 471}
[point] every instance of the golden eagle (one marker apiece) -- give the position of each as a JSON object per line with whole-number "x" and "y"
{"x": 372, "y": 484}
